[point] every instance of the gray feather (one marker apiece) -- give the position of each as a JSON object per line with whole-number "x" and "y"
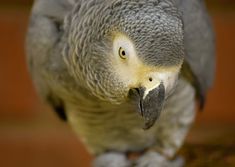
{"x": 65, "y": 52}
{"x": 43, "y": 49}
{"x": 199, "y": 41}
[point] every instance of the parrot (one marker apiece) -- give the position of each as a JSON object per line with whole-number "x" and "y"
{"x": 126, "y": 75}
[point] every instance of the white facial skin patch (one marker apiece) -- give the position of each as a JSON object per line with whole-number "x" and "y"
{"x": 134, "y": 73}
{"x": 167, "y": 78}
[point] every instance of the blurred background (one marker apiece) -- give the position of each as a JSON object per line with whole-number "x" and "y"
{"x": 31, "y": 135}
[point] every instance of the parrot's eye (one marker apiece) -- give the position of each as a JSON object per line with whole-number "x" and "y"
{"x": 122, "y": 53}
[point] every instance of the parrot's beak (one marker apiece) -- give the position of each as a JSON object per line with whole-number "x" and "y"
{"x": 149, "y": 105}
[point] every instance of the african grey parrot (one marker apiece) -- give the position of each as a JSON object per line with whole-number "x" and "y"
{"x": 110, "y": 68}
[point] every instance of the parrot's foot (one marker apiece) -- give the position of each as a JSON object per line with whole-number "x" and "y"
{"x": 111, "y": 160}
{"x": 154, "y": 159}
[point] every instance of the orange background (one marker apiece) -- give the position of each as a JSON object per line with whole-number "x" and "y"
{"x": 28, "y": 128}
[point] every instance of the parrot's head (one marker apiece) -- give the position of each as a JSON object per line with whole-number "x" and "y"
{"x": 127, "y": 51}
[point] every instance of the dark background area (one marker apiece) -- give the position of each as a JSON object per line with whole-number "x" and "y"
{"x": 32, "y": 135}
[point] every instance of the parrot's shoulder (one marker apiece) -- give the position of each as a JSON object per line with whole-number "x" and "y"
{"x": 191, "y": 78}
{"x": 199, "y": 43}
{"x": 44, "y": 51}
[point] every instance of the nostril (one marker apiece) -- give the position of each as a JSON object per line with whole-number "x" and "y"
{"x": 150, "y": 79}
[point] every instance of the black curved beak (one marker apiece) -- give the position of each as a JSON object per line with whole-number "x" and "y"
{"x": 149, "y": 106}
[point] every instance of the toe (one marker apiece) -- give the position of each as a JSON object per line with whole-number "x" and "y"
{"x": 154, "y": 159}
{"x": 111, "y": 160}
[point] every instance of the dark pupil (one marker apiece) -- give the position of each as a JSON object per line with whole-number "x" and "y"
{"x": 123, "y": 53}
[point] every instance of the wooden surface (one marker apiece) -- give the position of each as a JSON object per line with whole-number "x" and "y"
{"x": 32, "y": 136}
{"x": 45, "y": 141}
